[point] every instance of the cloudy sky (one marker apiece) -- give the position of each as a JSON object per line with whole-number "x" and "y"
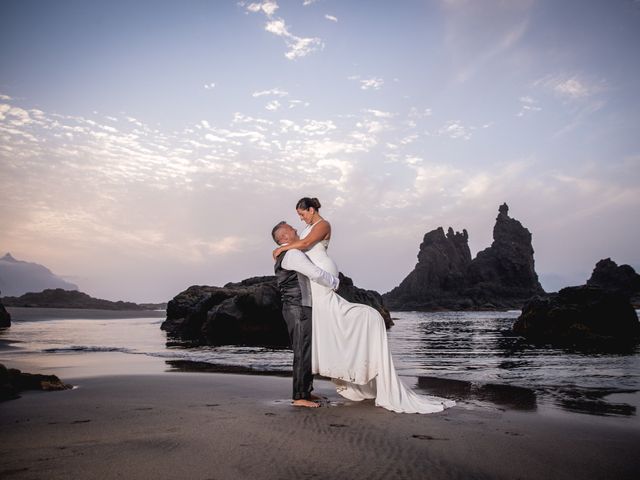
{"x": 147, "y": 146}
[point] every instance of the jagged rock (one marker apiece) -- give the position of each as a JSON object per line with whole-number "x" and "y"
{"x": 5, "y": 317}
{"x": 243, "y": 313}
{"x": 13, "y": 381}
{"x": 59, "y": 298}
{"x": 446, "y": 277}
{"x": 579, "y": 315}
{"x": 599, "y": 312}
{"x": 608, "y": 275}
{"x": 353, "y": 294}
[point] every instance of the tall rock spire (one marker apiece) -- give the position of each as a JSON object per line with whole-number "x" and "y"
{"x": 502, "y": 276}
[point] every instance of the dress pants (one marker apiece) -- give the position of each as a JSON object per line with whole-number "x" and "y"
{"x": 298, "y": 319}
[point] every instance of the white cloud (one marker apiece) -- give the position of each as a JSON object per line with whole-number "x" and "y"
{"x": 454, "y": 129}
{"x": 209, "y": 86}
{"x": 273, "y": 105}
{"x": 306, "y": 3}
{"x": 223, "y": 246}
{"x": 277, "y": 27}
{"x": 276, "y": 92}
{"x": 301, "y": 47}
{"x": 527, "y": 105}
{"x": 379, "y": 113}
{"x": 297, "y": 46}
{"x": 572, "y": 87}
{"x": 372, "y": 83}
{"x": 419, "y": 113}
{"x": 269, "y": 8}
{"x": 331, "y": 17}
{"x": 298, "y": 103}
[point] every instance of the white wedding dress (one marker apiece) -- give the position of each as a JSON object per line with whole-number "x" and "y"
{"x": 349, "y": 345}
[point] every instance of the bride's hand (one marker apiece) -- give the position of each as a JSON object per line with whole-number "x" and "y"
{"x": 277, "y": 252}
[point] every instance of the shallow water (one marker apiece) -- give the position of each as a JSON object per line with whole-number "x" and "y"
{"x": 470, "y": 356}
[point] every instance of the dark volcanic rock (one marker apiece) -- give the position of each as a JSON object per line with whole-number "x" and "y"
{"x": 579, "y": 315}
{"x": 59, "y": 298}
{"x": 439, "y": 276}
{"x": 5, "y": 317}
{"x": 599, "y": 312}
{"x": 506, "y": 269}
{"x": 353, "y": 294}
{"x": 608, "y": 275}
{"x": 501, "y": 276}
{"x": 13, "y": 381}
{"x": 243, "y": 313}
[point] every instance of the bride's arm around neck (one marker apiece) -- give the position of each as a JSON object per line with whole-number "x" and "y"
{"x": 319, "y": 232}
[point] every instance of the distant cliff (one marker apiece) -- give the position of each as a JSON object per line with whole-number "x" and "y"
{"x": 59, "y": 298}
{"x": 18, "y": 277}
{"x": 446, "y": 277}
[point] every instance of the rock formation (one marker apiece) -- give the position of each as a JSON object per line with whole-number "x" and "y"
{"x": 5, "y": 317}
{"x": 446, "y": 277}
{"x": 608, "y": 275}
{"x": 243, "y": 313}
{"x": 596, "y": 314}
{"x": 18, "y": 277}
{"x": 13, "y": 381}
{"x": 579, "y": 316}
{"x": 59, "y": 298}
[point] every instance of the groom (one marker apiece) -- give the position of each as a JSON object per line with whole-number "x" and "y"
{"x": 293, "y": 271}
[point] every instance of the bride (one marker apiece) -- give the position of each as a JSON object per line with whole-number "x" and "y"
{"x": 349, "y": 340}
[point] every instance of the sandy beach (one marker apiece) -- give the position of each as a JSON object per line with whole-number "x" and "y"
{"x": 225, "y": 426}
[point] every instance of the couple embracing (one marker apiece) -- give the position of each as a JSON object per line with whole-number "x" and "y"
{"x": 330, "y": 336}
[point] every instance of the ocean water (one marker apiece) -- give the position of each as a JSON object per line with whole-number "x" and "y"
{"x": 471, "y": 356}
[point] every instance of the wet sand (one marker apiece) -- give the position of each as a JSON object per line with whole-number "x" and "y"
{"x": 227, "y": 426}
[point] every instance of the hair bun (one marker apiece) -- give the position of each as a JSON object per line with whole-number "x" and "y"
{"x": 306, "y": 203}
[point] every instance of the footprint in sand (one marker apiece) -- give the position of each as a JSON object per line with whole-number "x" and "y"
{"x": 427, "y": 437}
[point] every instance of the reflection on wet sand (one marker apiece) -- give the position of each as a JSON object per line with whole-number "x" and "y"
{"x": 206, "y": 367}
{"x": 516, "y": 398}
{"x": 592, "y": 401}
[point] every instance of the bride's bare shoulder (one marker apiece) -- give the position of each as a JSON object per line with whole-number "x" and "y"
{"x": 327, "y": 229}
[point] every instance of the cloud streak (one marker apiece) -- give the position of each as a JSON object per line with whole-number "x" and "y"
{"x": 297, "y": 46}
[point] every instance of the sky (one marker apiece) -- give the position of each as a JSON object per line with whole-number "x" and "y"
{"x": 148, "y": 146}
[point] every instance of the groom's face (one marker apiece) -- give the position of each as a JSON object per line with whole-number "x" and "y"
{"x": 289, "y": 234}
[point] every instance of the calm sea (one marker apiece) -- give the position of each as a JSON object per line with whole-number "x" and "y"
{"x": 471, "y": 356}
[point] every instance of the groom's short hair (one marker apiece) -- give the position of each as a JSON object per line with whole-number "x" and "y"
{"x": 274, "y": 231}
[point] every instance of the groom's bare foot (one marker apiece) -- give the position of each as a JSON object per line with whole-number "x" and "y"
{"x": 305, "y": 403}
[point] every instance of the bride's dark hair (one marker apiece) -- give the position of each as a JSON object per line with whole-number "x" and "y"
{"x": 306, "y": 203}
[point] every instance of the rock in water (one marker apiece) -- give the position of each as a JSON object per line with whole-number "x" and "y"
{"x": 598, "y": 313}
{"x": 608, "y": 275}
{"x": 5, "y": 317}
{"x": 59, "y": 298}
{"x": 446, "y": 277}
{"x": 13, "y": 381}
{"x": 353, "y": 294}
{"x": 582, "y": 315}
{"x": 243, "y": 313}
{"x": 506, "y": 269}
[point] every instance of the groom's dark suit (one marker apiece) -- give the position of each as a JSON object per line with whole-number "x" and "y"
{"x": 295, "y": 292}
